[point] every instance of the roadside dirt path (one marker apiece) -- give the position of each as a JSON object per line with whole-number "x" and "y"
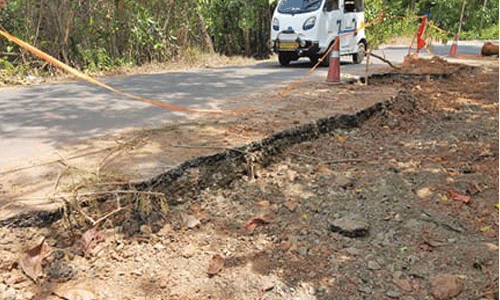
{"x": 404, "y": 206}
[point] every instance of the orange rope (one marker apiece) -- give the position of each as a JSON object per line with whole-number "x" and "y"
{"x": 52, "y": 60}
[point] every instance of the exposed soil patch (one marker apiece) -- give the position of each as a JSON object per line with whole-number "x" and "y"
{"x": 401, "y": 206}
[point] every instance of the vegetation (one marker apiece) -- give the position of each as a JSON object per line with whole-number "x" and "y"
{"x": 102, "y": 34}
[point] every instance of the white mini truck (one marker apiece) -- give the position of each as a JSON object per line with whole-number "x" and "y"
{"x": 306, "y": 28}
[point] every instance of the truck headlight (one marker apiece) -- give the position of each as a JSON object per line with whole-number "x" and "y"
{"x": 309, "y": 23}
{"x": 276, "y": 24}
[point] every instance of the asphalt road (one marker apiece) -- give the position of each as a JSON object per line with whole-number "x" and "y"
{"x": 35, "y": 121}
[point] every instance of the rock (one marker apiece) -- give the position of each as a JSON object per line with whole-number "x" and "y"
{"x": 404, "y": 284}
{"x": 353, "y": 251}
{"x": 344, "y": 181}
{"x": 424, "y": 193}
{"x": 373, "y": 265}
{"x": 393, "y": 293}
{"x": 189, "y": 251}
{"x": 365, "y": 289}
{"x": 190, "y": 221}
{"x": 444, "y": 287}
{"x": 62, "y": 271}
{"x": 28, "y": 295}
{"x": 350, "y": 226}
{"x": 146, "y": 230}
{"x": 10, "y": 294}
{"x": 159, "y": 246}
{"x": 397, "y": 275}
{"x": 290, "y": 175}
{"x": 291, "y": 204}
{"x": 489, "y": 49}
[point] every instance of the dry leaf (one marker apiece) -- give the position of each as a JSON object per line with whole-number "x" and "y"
{"x": 458, "y": 197}
{"x": 190, "y": 221}
{"x": 290, "y": 175}
{"x": 31, "y": 260}
{"x": 90, "y": 239}
{"x": 491, "y": 246}
{"x": 253, "y": 223}
{"x": 323, "y": 169}
{"x": 263, "y": 203}
{"x": 216, "y": 264}
{"x": 261, "y": 295}
{"x": 291, "y": 204}
{"x": 77, "y": 292}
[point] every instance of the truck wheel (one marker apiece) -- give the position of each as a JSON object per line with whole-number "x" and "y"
{"x": 284, "y": 59}
{"x": 314, "y": 59}
{"x": 358, "y": 57}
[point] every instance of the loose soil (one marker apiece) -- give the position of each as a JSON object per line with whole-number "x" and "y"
{"x": 382, "y": 210}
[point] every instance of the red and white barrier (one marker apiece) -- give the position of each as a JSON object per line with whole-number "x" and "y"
{"x": 453, "y": 49}
{"x": 334, "y": 69}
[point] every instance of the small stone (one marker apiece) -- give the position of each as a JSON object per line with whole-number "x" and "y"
{"x": 353, "y": 251}
{"x": 373, "y": 265}
{"x": 365, "y": 289}
{"x": 290, "y": 175}
{"x": 393, "y": 293}
{"x": 344, "y": 181}
{"x": 424, "y": 193}
{"x": 137, "y": 272}
{"x": 404, "y": 284}
{"x": 159, "y": 246}
{"x": 263, "y": 203}
{"x": 146, "y": 230}
{"x": 10, "y": 294}
{"x": 398, "y": 218}
{"x": 291, "y": 204}
{"x": 397, "y": 275}
{"x": 29, "y": 295}
{"x": 190, "y": 221}
{"x": 350, "y": 226}
{"x": 303, "y": 251}
{"x": 189, "y": 251}
{"x": 444, "y": 287}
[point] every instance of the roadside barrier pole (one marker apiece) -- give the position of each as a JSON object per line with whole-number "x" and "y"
{"x": 334, "y": 69}
{"x": 453, "y": 49}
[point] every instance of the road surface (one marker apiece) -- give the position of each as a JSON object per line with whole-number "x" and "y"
{"x": 38, "y": 120}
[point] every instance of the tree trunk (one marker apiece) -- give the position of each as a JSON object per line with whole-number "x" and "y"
{"x": 207, "y": 41}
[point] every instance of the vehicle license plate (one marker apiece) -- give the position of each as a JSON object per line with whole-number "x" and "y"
{"x": 288, "y": 45}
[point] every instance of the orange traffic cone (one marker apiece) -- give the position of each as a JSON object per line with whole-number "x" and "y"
{"x": 453, "y": 49}
{"x": 334, "y": 69}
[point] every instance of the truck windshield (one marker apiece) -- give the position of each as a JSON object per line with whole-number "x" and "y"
{"x": 298, "y": 6}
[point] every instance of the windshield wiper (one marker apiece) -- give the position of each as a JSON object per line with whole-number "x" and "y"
{"x": 314, "y": 2}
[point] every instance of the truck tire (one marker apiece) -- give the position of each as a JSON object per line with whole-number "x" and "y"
{"x": 284, "y": 59}
{"x": 358, "y": 57}
{"x": 314, "y": 59}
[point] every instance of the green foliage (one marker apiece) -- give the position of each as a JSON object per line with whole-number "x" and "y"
{"x": 489, "y": 33}
{"x": 390, "y": 26}
{"x": 100, "y": 35}
{"x": 238, "y": 26}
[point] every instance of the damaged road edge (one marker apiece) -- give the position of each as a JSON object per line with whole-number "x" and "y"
{"x": 210, "y": 166}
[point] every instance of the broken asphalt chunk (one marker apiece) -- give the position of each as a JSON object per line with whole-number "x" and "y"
{"x": 350, "y": 226}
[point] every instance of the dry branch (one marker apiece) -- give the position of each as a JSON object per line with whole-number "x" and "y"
{"x": 385, "y": 60}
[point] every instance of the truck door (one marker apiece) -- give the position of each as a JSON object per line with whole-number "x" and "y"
{"x": 332, "y": 12}
{"x": 351, "y": 9}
